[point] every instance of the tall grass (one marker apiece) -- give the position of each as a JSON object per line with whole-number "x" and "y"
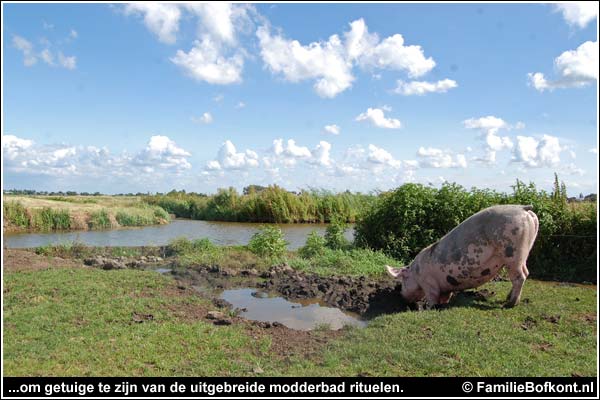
{"x": 269, "y": 205}
{"x": 99, "y": 220}
{"x": 48, "y": 219}
{"x": 16, "y": 214}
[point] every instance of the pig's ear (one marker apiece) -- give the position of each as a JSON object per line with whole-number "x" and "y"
{"x": 395, "y": 272}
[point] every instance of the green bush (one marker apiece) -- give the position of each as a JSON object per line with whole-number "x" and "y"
{"x": 16, "y": 214}
{"x": 315, "y": 245}
{"x": 99, "y": 220}
{"x": 268, "y": 242}
{"x": 47, "y": 219}
{"x": 334, "y": 234}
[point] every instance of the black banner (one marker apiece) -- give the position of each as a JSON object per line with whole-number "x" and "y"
{"x": 298, "y": 387}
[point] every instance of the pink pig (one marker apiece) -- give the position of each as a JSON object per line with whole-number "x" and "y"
{"x": 472, "y": 254}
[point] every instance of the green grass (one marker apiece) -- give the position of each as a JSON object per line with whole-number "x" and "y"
{"x": 473, "y": 339}
{"x": 78, "y": 322}
{"x": 16, "y": 214}
{"x": 48, "y": 219}
{"x": 99, "y": 220}
{"x": 344, "y": 262}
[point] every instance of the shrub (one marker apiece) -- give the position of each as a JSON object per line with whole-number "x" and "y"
{"x": 47, "y": 219}
{"x": 99, "y": 220}
{"x": 268, "y": 242}
{"x": 16, "y": 214}
{"x": 315, "y": 245}
{"x": 334, "y": 234}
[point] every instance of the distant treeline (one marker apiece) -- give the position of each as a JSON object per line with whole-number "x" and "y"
{"x": 264, "y": 204}
{"x": 403, "y": 221}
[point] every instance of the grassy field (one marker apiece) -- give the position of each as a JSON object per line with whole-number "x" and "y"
{"x": 46, "y": 213}
{"x": 83, "y": 321}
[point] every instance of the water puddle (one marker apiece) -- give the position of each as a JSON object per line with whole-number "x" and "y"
{"x": 163, "y": 270}
{"x": 302, "y": 315}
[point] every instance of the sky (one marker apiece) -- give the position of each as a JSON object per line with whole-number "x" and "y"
{"x": 146, "y": 97}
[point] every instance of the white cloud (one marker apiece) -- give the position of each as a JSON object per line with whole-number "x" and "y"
{"x": 538, "y": 153}
{"x": 578, "y": 13}
{"x": 421, "y": 87}
{"x": 489, "y": 127}
{"x": 162, "y": 19}
{"x": 390, "y": 53}
{"x": 220, "y": 20}
{"x": 321, "y": 154}
{"x": 293, "y": 150}
{"x": 206, "y": 62}
{"x": 330, "y": 63}
{"x": 594, "y": 150}
{"x": 572, "y": 169}
{"x": 47, "y": 57}
{"x": 333, "y": 129}
{"x": 68, "y": 62}
{"x": 575, "y": 68}
{"x": 206, "y": 118}
{"x": 161, "y": 155}
{"x": 376, "y": 117}
{"x": 321, "y": 61}
{"x": 241, "y": 104}
{"x": 378, "y": 155}
{"x": 25, "y": 47}
{"x": 437, "y": 158}
{"x": 73, "y": 34}
{"x": 229, "y": 158}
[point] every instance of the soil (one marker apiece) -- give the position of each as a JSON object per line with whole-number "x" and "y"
{"x": 22, "y": 260}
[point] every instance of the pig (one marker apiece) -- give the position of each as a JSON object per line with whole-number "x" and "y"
{"x": 471, "y": 254}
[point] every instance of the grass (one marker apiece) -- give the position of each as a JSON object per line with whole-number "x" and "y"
{"x": 80, "y": 322}
{"x": 46, "y": 213}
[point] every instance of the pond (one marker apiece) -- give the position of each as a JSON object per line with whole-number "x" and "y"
{"x": 220, "y": 233}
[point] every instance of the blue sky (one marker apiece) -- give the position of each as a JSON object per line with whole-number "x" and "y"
{"x": 151, "y": 97}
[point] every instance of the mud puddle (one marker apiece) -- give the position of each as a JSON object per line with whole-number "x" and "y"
{"x": 304, "y": 315}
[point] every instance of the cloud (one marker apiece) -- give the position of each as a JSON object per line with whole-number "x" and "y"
{"x": 594, "y": 150}
{"x": 68, "y": 62}
{"x": 24, "y": 156}
{"x": 321, "y": 61}
{"x": 489, "y": 127}
{"x": 241, "y": 104}
{"x": 390, "y": 53}
{"x": 214, "y": 57}
{"x": 378, "y": 155}
{"x": 162, "y": 19}
{"x": 206, "y": 62}
{"x": 162, "y": 153}
{"x": 47, "y": 57}
{"x": 330, "y": 63}
{"x": 220, "y": 20}
{"x": 30, "y": 55}
{"x": 537, "y": 153}
{"x": 228, "y": 158}
{"x": 73, "y": 34}
{"x": 579, "y": 13}
{"x": 376, "y": 117}
{"x": 421, "y": 87}
{"x": 437, "y": 158}
{"x": 333, "y": 129}
{"x": 572, "y": 169}
{"x": 206, "y": 118}
{"x": 25, "y": 47}
{"x": 321, "y": 154}
{"x": 574, "y": 68}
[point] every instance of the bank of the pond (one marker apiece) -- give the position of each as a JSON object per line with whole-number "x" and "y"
{"x": 221, "y": 233}
{"x": 552, "y": 333}
{"x": 77, "y": 213}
